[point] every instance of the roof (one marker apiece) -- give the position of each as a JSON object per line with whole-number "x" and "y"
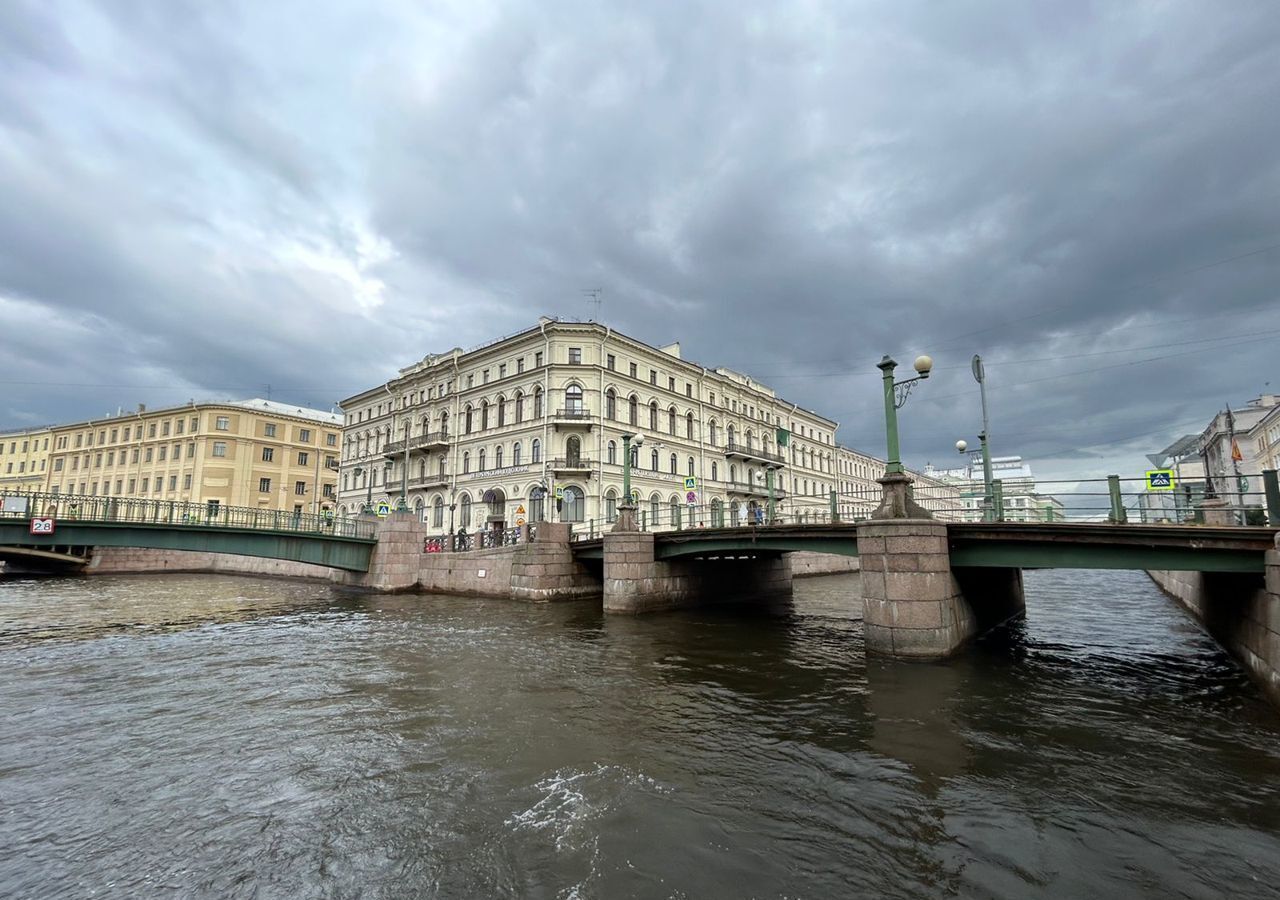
{"x": 284, "y": 409}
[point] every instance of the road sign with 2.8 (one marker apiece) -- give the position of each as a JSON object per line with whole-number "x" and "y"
{"x": 42, "y": 525}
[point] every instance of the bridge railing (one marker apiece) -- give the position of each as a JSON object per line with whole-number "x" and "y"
{"x": 178, "y": 513}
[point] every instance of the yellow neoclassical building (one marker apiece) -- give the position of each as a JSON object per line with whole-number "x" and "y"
{"x": 24, "y": 460}
{"x": 251, "y": 453}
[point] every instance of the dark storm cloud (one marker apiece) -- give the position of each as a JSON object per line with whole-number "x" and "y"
{"x": 313, "y": 196}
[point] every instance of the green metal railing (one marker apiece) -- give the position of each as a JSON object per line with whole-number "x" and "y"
{"x": 127, "y": 510}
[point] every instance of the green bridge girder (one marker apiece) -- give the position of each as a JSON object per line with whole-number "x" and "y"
{"x": 349, "y": 553}
{"x": 1001, "y": 545}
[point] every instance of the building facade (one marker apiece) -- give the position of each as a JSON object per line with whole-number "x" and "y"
{"x": 1021, "y": 501}
{"x": 252, "y": 453}
{"x": 530, "y": 427}
{"x": 24, "y": 460}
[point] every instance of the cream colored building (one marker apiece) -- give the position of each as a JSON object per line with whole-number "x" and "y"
{"x": 858, "y": 491}
{"x": 252, "y": 453}
{"x": 24, "y": 460}
{"x": 498, "y": 431}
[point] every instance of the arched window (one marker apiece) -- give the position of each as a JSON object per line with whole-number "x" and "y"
{"x": 537, "y": 403}
{"x": 422, "y": 469}
{"x": 655, "y": 510}
{"x": 466, "y": 420}
{"x": 715, "y": 476}
{"x": 733, "y": 473}
{"x": 673, "y": 506}
{"x": 444, "y": 424}
{"x": 418, "y": 506}
{"x": 611, "y": 505}
{"x": 344, "y": 481}
{"x": 690, "y": 467}
{"x": 653, "y": 460}
{"x": 610, "y": 404}
{"x": 502, "y": 411}
{"x": 613, "y": 453}
{"x": 573, "y": 450}
{"x": 574, "y": 507}
{"x": 751, "y": 439}
{"x": 484, "y": 415}
{"x": 633, "y": 410}
{"x": 536, "y": 451}
{"x": 733, "y": 513}
{"x": 440, "y": 467}
{"x": 671, "y": 420}
{"x": 635, "y": 457}
{"x": 437, "y": 512}
{"x": 519, "y": 407}
{"x": 426, "y": 425}
{"x": 464, "y": 511}
{"x": 717, "y": 513}
{"x": 653, "y": 415}
{"x": 537, "y": 504}
{"x": 688, "y": 426}
{"x": 466, "y": 462}
{"x": 729, "y": 435}
{"x": 675, "y": 465}
{"x": 711, "y": 432}
{"x": 573, "y": 400}
{"x": 497, "y": 457}
{"x": 515, "y": 454}
{"x": 480, "y": 466}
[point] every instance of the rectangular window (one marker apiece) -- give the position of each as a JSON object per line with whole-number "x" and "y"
{"x": 146, "y": 483}
{"x": 164, "y": 428}
{"x": 57, "y": 465}
{"x": 519, "y": 365}
{"x": 302, "y": 458}
{"x": 195, "y": 424}
{"x": 688, "y": 389}
{"x": 575, "y": 356}
{"x": 653, "y": 376}
{"x": 671, "y": 384}
{"x": 611, "y": 362}
{"x": 331, "y": 440}
{"x": 163, "y": 452}
{"x": 268, "y": 454}
{"x": 178, "y": 429}
{"x": 186, "y": 482}
{"x": 299, "y": 488}
{"x": 537, "y": 360}
{"x": 305, "y": 435}
{"x": 126, "y": 434}
{"x": 119, "y": 485}
{"x": 264, "y": 485}
{"x": 114, "y": 433}
{"x": 269, "y": 430}
{"x": 502, "y": 370}
{"x": 219, "y": 448}
{"x": 133, "y": 485}
{"x": 79, "y": 440}
{"x": 173, "y": 482}
{"x": 102, "y": 437}
{"x": 223, "y": 423}
{"x": 471, "y": 381}
{"x": 631, "y": 370}
{"x": 484, "y": 377}
{"x": 93, "y": 488}
{"x": 97, "y": 460}
{"x": 111, "y": 457}
{"x": 191, "y": 450}
{"x": 151, "y": 430}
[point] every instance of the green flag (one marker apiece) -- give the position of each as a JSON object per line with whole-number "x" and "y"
{"x": 784, "y": 437}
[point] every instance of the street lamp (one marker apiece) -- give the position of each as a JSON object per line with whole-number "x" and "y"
{"x": 895, "y": 395}
{"x": 368, "y": 503}
{"x": 626, "y": 510}
{"x": 988, "y": 499}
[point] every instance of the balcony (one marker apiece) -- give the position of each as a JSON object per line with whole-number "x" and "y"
{"x": 574, "y": 464}
{"x": 438, "y": 480}
{"x": 742, "y": 451}
{"x": 572, "y": 418}
{"x": 753, "y": 490}
{"x": 419, "y": 442}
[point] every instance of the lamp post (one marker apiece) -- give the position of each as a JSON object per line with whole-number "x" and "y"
{"x": 895, "y": 395}
{"x": 404, "y": 481}
{"x": 768, "y": 479}
{"x": 988, "y": 499}
{"x": 895, "y": 502}
{"x": 358, "y": 471}
{"x": 627, "y": 509}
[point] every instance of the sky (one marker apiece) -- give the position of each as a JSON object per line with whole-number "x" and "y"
{"x": 203, "y": 200}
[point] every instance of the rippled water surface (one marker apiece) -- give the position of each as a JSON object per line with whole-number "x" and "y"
{"x": 196, "y": 736}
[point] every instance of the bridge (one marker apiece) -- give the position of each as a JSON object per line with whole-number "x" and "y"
{"x": 1024, "y": 545}
{"x": 81, "y": 523}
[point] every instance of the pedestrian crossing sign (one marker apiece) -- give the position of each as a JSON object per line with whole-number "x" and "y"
{"x": 1160, "y": 480}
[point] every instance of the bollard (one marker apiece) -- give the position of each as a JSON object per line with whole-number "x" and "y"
{"x": 1271, "y": 485}
{"x": 997, "y": 500}
{"x": 1118, "y": 515}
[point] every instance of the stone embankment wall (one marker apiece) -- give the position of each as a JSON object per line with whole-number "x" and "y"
{"x": 1241, "y": 612}
{"x": 125, "y": 560}
{"x": 804, "y": 564}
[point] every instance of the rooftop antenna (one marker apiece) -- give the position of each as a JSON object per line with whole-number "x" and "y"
{"x": 268, "y": 392}
{"x": 594, "y": 296}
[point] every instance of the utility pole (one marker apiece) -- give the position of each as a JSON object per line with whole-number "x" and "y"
{"x": 1235, "y": 465}
{"x": 988, "y": 499}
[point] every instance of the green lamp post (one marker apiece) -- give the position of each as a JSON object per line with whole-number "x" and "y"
{"x": 627, "y": 509}
{"x": 896, "y": 502}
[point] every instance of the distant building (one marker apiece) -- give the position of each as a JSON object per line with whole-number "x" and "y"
{"x": 251, "y": 453}
{"x": 1022, "y": 502}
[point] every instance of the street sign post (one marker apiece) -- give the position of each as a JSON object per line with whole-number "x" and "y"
{"x": 42, "y": 525}
{"x": 691, "y": 484}
{"x": 383, "y": 509}
{"x": 691, "y": 498}
{"x": 1160, "y": 480}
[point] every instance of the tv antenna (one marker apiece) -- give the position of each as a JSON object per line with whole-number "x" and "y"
{"x": 594, "y": 295}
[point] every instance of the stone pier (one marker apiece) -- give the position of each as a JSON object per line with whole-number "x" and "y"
{"x": 396, "y": 558}
{"x": 635, "y": 582}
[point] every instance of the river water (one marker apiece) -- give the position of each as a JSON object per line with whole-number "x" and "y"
{"x": 197, "y": 736}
